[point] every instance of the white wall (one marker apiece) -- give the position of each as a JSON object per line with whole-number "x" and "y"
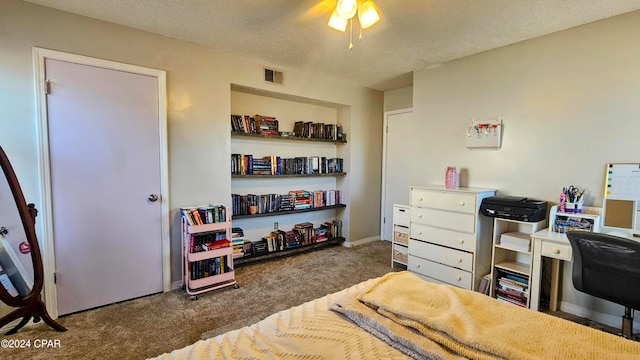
{"x": 198, "y": 82}
{"x": 398, "y": 99}
{"x": 570, "y": 103}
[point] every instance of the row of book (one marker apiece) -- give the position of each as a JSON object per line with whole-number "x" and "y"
{"x": 247, "y": 164}
{"x": 250, "y": 204}
{"x": 204, "y": 214}
{"x": 512, "y": 288}
{"x": 208, "y": 241}
{"x": 269, "y": 125}
{"x": 259, "y": 124}
{"x": 301, "y": 234}
{"x": 313, "y": 130}
{"x": 208, "y": 267}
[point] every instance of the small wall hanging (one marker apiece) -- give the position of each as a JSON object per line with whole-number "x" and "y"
{"x": 484, "y": 134}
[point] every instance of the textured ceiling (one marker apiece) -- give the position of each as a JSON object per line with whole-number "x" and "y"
{"x": 411, "y": 35}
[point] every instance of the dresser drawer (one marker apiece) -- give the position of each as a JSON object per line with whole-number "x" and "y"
{"x": 443, "y": 255}
{"x": 444, "y": 219}
{"x": 557, "y": 251}
{"x": 401, "y": 215}
{"x": 440, "y": 272}
{"x": 453, "y": 239}
{"x": 450, "y": 201}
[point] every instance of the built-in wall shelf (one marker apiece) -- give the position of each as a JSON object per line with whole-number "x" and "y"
{"x": 279, "y": 137}
{"x": 276, "y": 254}
{"x": 252, "y": 176}
{"x": 287, "y": 212}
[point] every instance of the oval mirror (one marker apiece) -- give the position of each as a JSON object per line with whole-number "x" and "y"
{"x": 21, "y": 272}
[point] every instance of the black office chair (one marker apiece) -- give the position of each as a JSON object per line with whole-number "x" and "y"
{"x": 608, "y": 267}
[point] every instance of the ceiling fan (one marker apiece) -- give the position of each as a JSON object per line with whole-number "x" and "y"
{"x": 346, "y": 10}
{"x": 342, "y": 13}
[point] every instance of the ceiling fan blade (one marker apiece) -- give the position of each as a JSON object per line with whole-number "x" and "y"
{"x": 322, "y": 9}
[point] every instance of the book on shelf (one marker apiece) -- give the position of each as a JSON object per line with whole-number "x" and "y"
{"x": 196, "y": 241}
{"x": 485, "y": 284}
{"x": 267, "y": 125}
{"x": 238, "y": 241}
{"x": 248, "y": 164}
{"x": 204, "y": 214}
{"x": 209, "y": 267}
{"x": 216, "y": 244}
{"x": 311, "y": 130}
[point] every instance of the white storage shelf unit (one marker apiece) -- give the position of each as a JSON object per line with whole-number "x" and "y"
{"x": 400, "y": 242}
{"x": 510, "y": 256}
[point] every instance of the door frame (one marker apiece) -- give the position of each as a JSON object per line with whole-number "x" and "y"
{"x": 383, "y": 200}
{"x": 46, "y": 240}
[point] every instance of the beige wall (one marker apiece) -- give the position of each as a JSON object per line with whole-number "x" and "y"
{"x": 398, "y": 99}
{"x": 570, "y": 103}
{"x": 198, "y": 85}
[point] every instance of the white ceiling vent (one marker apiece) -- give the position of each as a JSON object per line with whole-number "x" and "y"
{"x": 273, "y": 76}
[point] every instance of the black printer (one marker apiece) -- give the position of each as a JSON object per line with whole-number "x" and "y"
{"x": 514, "y": 208}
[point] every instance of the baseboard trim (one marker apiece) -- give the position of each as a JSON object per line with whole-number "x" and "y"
{"x": 359, "y": 242}
{"x": 603, "y": 318}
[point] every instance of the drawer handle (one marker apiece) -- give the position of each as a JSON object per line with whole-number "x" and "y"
{"x": 418, "y": 265}
{"x": 420, "y": 198}
{"x": 459, "y": 259}
{"x": 461, "y": 203}
{"x": 461, "y": 241}
{"x": 419, "y": 232}
{"x": 459, "y": 278}
{"x": 556, "y": 251}
{"x": 419, "y": 216}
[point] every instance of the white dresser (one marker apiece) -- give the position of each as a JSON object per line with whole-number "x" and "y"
{"x": 450, "y": 241}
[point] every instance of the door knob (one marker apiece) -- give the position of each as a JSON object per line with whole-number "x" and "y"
{"x": 153, "y": 197}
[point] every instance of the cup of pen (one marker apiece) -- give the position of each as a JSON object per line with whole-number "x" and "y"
{"x": 574, "y": 207}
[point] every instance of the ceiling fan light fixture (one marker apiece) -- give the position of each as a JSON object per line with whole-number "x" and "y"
{"x": 337, "y": 22}
{"x": 347, "y": 8}
{"x": 368, "y": 14}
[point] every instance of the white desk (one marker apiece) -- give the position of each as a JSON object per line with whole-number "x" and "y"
{"x": 552, "y": 245}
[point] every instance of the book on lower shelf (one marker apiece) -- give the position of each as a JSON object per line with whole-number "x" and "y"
{"x": 208, "y": 267}
{"x": 301, "y": 235}
{"x": 485, "y": 284}
{"x": 512, "y": 288}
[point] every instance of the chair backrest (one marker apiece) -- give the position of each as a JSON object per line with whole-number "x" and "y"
{"x": 606, "y": 266}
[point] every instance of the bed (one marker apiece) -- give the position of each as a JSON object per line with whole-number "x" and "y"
{"x": 399, "y": 316}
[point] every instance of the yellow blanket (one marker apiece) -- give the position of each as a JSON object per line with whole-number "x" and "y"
{"x": 445, "y": 322}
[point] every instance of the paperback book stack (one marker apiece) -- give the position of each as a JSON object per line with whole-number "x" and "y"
{"x": 306, "y": 232}
{"x": 243, "y": 123}
{"x": 287, "y": 202}
{"x": 237, "y": 241}
{"x": 292, "y": 239}
{"x": 209, "y": 267}
{"x": 512, "y": 288}
{"x": 267, "y": 125}
{"x": 302, "y": 199}
{"x": 205, "y": 214}
{"x": 207, "y": 240}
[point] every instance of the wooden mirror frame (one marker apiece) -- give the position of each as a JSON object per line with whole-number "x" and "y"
{"x": 30, "y": 305}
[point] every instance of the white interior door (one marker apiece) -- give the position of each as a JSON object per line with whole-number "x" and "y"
{"x": 104, "y": 152}
{"x": 397, "y": 158}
